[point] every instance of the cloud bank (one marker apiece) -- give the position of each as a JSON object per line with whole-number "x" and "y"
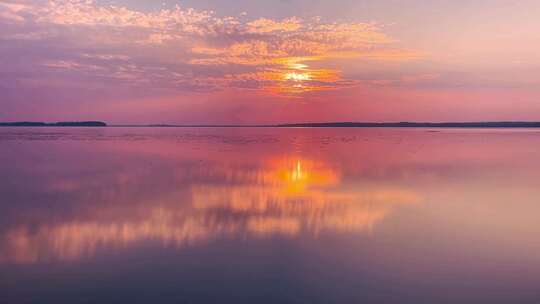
{"x": 81, "y": 43}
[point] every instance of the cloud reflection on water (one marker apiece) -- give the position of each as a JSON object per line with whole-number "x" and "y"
{"x": 284, "y": 196}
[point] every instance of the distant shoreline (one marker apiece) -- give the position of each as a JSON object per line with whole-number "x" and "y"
{"x": 54, "y": 124}
{"x": 502, "y": 124}
{"x": 479, "y": 125}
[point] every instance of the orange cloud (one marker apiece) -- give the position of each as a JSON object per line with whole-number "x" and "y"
{"x": 264, "y": 25}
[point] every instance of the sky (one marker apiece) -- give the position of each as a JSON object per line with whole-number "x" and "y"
{"x": 269, "y": 61}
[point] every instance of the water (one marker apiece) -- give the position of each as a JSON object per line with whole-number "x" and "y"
{"x": 172, "y": 215}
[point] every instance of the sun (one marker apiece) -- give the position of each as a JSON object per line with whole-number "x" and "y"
{"x": 297, "y": 77}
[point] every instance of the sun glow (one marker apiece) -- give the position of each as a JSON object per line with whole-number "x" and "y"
{"x": 295, "y": 77}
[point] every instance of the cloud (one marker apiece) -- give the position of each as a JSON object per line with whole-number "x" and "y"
{"x": 264, "y": 25}
{"x": 12, "y": 11}
{"x": 183, "y": 48}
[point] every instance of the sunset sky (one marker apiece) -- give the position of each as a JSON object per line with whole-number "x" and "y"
{"x": 269, "y": 61}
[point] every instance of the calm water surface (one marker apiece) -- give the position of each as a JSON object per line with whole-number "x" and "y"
{"x": 143, "y": 215}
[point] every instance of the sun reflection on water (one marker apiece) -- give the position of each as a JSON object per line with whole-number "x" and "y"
{"x": 286, "y": 196}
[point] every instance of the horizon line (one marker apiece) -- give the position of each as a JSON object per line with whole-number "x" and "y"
{"x": 352, "y": 124}
{"x": 325, "y": 123}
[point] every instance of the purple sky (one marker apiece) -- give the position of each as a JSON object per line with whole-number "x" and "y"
{"x": 135, "y": 61}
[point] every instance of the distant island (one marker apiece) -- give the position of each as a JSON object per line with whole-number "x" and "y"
{"x": 488, "y": 124}
{"x": 54, "y": 124}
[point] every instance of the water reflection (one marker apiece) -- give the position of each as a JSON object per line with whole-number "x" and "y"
{"x": 292, "y": 215}
{"x": 284, "y": 196}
